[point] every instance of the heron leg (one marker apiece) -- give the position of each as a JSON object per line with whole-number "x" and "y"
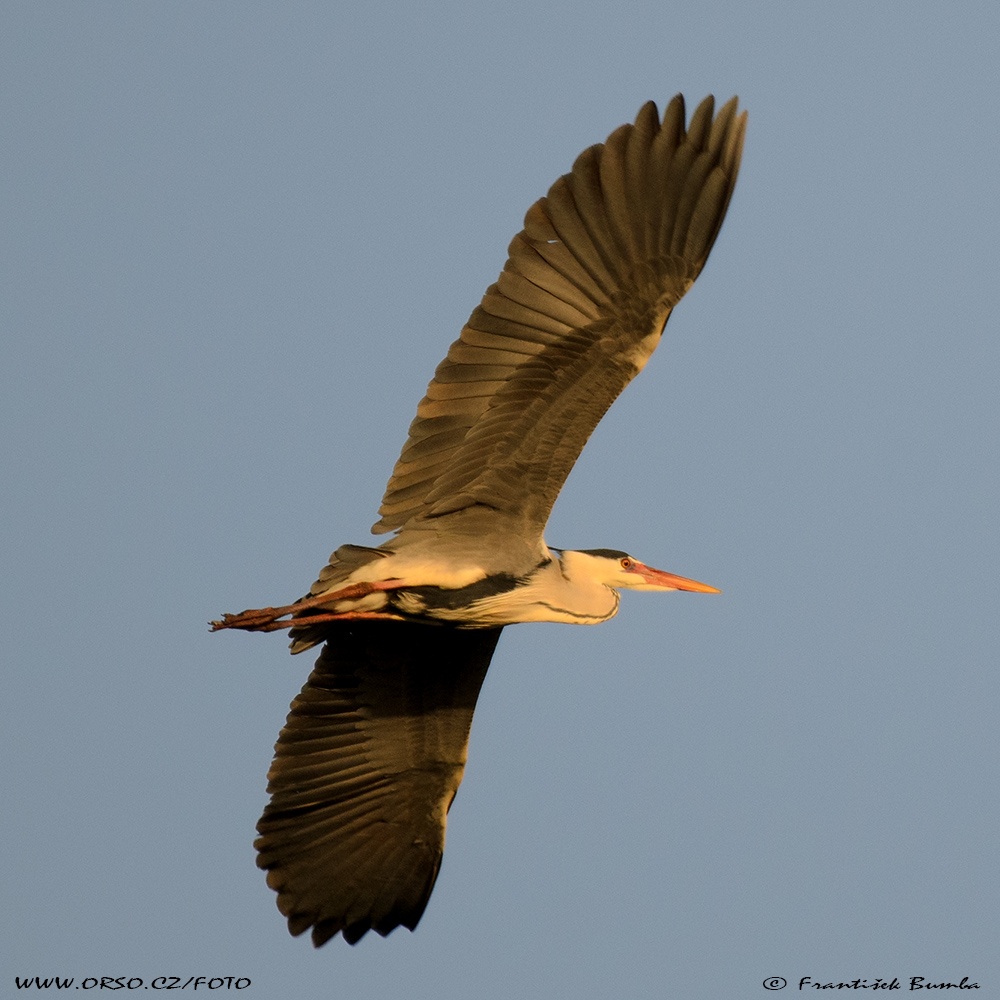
{"x": 268, "y": 619}
{"x": 333, "y": 616}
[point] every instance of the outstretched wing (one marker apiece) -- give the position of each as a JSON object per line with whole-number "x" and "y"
{"x": 364, "y": 773}
{"x": 577, "y": 311}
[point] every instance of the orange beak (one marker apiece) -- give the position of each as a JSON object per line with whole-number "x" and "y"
{"x": 661, "y": 580}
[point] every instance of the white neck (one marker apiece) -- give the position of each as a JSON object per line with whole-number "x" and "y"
{"x": 553, "y": 593}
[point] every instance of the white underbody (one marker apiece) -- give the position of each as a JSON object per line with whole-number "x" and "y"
{"x": 550, "y": 592}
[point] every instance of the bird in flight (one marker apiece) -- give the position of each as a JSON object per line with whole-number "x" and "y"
{"x": 374, "y": 748}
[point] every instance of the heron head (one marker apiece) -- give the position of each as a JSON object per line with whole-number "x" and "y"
{"x": 619, "y": 570}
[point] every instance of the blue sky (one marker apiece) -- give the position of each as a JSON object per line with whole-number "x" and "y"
{"x": 236, "y": 243}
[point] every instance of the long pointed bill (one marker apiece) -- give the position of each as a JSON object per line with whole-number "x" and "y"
{"x": 670, "y": 581}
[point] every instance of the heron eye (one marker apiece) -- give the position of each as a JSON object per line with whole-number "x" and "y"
{"x": 626, "y": 563}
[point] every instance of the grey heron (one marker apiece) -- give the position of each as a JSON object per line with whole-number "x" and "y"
{"x": 374, "y": 748}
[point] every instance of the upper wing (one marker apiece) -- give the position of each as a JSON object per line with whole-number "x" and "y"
{"x": 364, "y": 772}
{"x": 576, "y": 313}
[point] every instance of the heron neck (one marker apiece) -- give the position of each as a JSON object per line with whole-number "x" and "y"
{"x": 561, "y": 597}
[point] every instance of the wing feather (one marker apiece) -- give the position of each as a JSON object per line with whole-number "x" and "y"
{"x": 578, "y": 308}
{"x": 364, "y": 773}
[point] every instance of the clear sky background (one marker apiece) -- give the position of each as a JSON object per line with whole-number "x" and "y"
{"x": 237, "y": 238}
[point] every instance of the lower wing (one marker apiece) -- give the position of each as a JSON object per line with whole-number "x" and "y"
{"x": 364, "y": 773}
